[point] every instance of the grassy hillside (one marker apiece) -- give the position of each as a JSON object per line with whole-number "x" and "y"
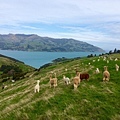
{"x": 93, "y": 100}
{"x": 5, "y": 60}
{"x": 12, "y": 69}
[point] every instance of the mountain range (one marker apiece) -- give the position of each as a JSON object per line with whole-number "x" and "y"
{"x": 33, "y": 42}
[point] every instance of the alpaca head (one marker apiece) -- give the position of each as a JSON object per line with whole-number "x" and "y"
{"x": 38, "y": 81}
{"x": 63, "y": 76}
{"x": 78, "y": 74}
{"x": 105, "y": 67}
{"x": 97, "y": 69}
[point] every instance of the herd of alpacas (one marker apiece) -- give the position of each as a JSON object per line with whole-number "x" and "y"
{"x": 53, "y": 81}
{"x": 79, "y": 76}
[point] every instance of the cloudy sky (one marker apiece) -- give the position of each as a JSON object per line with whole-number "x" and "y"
{"x": 93, "y": 21}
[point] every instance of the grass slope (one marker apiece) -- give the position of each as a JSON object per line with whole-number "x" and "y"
{"x": 7, "y": 64}
{"x": 93, "y": 100}
{"x": 4, "y": 60}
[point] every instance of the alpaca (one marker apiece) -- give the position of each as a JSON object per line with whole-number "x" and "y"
{"x": 117, "y": 67}
{"x": 53, "y": 81}
{"x": 13, "y": 81}
{"x": 107, "y": 61}
{"x": 76, "y": 80}
{"x": 106, "y": 74}
{"x": 111, "y": 59}
{"x": 37, "y": 87}
{"x": 104, "y": 58}
{"x": 66, "y": 79}
{"x": 116, "y": 59}
{"x": 4, "y": 86}
{"x": 66, "y": 69}
{"x": 83, "y": 76}
{"x": 89, "y": 63}
{"x": 97, "y": 70}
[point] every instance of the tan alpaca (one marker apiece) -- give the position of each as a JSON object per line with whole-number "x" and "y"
{"x": 53, "y": 81}
{"x": 76, "y": 80}
{"x": 106, "y": 74}
{"x": 117, "y": 67}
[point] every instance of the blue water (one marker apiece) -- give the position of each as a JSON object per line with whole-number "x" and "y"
{"x": 37, "y": 59}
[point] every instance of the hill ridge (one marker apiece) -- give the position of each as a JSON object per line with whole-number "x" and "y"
{"x": 33, "y": 42}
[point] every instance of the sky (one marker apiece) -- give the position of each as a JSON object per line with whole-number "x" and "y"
{"x": 96, "y": 22}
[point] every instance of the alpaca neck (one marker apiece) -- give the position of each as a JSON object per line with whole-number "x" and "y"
{"x": 63, "y": 77}
{"x": 55, "y": 75}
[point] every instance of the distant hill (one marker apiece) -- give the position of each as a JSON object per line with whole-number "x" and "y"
{"x": 34, "y": 42}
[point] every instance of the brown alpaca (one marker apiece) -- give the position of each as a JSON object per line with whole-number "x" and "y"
{"x": 53, "y": 81}
{"x": 83, "y": 76}
{"x": 106, "y": 74}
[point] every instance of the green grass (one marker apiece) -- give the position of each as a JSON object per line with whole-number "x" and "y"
{"x": 93, "y": 99}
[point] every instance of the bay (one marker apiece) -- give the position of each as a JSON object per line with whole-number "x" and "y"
{"x": 37, "y": 59}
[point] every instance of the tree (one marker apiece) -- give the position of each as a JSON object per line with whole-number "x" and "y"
{"x": 110, "y": 52}
{"x": 115, "y": 50}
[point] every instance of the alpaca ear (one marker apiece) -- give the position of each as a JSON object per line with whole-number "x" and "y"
{"x": 105, "y": 66}
{"x": 50, "y": 75}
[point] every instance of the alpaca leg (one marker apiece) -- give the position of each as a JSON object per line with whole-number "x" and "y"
{"x": 75, "y": 86}
{"x": 38, "y": 90}
{"x": 35, "y": 90}
{"x": 67, "y": 82}
{"x": 79, "y": 81}
{"x": 107, "y": 79}
{"x": 87, "y": 79}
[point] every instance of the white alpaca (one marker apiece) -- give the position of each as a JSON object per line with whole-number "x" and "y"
{"x": 37, "y": 86}
{"x": 107, "y": 61}
{"x": 4, "y": 86}
{"x": 117, "y": 67}
{"x": 104, "y": 58}
{"x": 66, "y": 79}
{"x": 97, "y": 70}
{"x": 66, "y": 69}
{"x": 116, "y": 59}
{"x": 13, "y": 81}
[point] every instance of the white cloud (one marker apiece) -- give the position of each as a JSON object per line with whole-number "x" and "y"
{"x": 68, "y": 11}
